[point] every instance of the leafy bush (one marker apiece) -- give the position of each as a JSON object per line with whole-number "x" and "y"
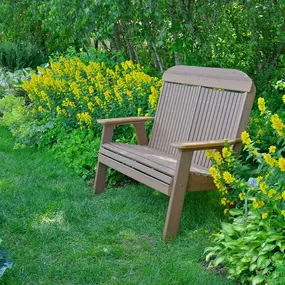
{"x": 110, "y": 58}
{"x": 77, "y": 94}
{"x": 66, "y": 100}
{"x": 252, "y": 248}
{"x": 17, "y": 117}
{"x": 11, "y": 82}
{"x": 14, "y": 56}
{"x": 259, "y": 128}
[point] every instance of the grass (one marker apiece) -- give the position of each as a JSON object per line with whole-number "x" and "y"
{"x": 59, "y": 233}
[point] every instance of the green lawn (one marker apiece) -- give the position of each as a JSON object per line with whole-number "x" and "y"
{"x": 59, "y": 233}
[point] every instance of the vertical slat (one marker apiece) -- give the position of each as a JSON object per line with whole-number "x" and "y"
{"x": 161, "y": 105}
{"x": 174, "y": 116}
{"x": 217, "y": 116}
{"x": 195, "y": 113}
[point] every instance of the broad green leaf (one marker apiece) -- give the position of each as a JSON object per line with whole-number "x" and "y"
{"x": 257, "y": 279}
{"x": 218, "y": 260}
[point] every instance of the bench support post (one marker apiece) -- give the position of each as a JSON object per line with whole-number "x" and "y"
{"x": 177, "y": 195}
{"x": 101, "y": 172}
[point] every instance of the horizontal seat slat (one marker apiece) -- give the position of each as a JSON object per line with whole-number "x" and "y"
{"x": 150, "y": 154}
{"x": 137, "y": 175}
{"x": 135, "y": 156}
{"x": 138, "y": 166}
{"x": 163, "y": 163}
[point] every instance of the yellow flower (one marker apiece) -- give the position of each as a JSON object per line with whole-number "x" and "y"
{"x": 90, "y": 106}
{"x": 153, "y": 98}
{"x": 278, "y": 197}
{"x": 215, "y": 174}
{"x": 264, "y": 216}
{"x": 283, "y": 195}
{"x": 139, "y": 111}
{"x": 259, "y": 178}
{"x": 228, "y": 177}
{"x": 58, "y": 110}
{"x": 226, "y": 152}
{"x": 261, "y": 105}
{"x": 98, "y": 101}
{"x": 67, "y": 103}
{"x": 218, "y": 158}
{"x": 283, "y": 213}
{"x": 277, "y": 124}
{"x": 263, "y": 187}
{"x": 226, "y": 211}
{"x": 260, "y": 132}
{"x": 84, "y": 118}
{"x": 209, "y": 153}
{"x": 255, "y": 152}
{"x": 269, "y": 160}
{"x": 241, "y": 196}
{"x": 272, "y": 149}
{"x": 258, "y": 204}
{"x": 41, "y": 109}
{"x": 283, "y": 98}
{"x": 107, "y": 95}
{"x": 245, "y": 138}
{"x": 20, "y": 108}
{"x": 224, "y": 201}
{"x": 270, "y": 193}
{"x": 281, "y": 163}
{"x": 91, "y": 90}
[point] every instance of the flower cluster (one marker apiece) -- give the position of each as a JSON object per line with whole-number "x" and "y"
{"x": 265, "y": 192}
{"x": 80, "y": 93}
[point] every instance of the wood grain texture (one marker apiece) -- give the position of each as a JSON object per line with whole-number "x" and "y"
{"x": 177, "y": 195}
{"x": 191, "y": 146}
{"x": 124, "y": 121}
{"x": 137, "y": 175}
{"x": 156, "y": 160}
{"x": 224, "y": 78}
{"x": 174, "y": 116}
{"x": 100, "y": 178}
{"x": 141, "y": 133}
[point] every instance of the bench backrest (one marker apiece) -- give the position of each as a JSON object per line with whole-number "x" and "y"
{"x": 201, "y": 104}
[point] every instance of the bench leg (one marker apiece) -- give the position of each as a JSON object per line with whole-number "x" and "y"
{"x": 100, "y": 179}
{"x": 177, "y": 196}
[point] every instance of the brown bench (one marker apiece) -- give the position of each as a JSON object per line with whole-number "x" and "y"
{"x": 198, "y": 108}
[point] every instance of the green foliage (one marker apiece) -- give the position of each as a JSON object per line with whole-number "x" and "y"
{"x": 14, "y": 56}
{"x": 79, "y": 149}
{"x": 10, "y": 82}
{"x": 248, "y": 35}
{"x": 67, "y": 97}
{"x": 16, "y": 116}
{"x": 260, "y": 127}
{"x": 250, "y": 248}
{"x": 110, "y": 58}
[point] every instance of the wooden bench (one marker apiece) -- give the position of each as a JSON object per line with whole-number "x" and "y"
{"x": 198, "y": 108}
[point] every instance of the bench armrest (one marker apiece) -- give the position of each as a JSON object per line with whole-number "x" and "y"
{"x": 124, "y": 121}
{"x": 202, "y": 145}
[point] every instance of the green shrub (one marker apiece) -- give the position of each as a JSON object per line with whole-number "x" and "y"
{"x": 14, "y": 56}
{"x": 11, "y": 82}
{"x": 66, "y": 100}
{"x": 252, "y": 248}
{"x": 110, "y": 58}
